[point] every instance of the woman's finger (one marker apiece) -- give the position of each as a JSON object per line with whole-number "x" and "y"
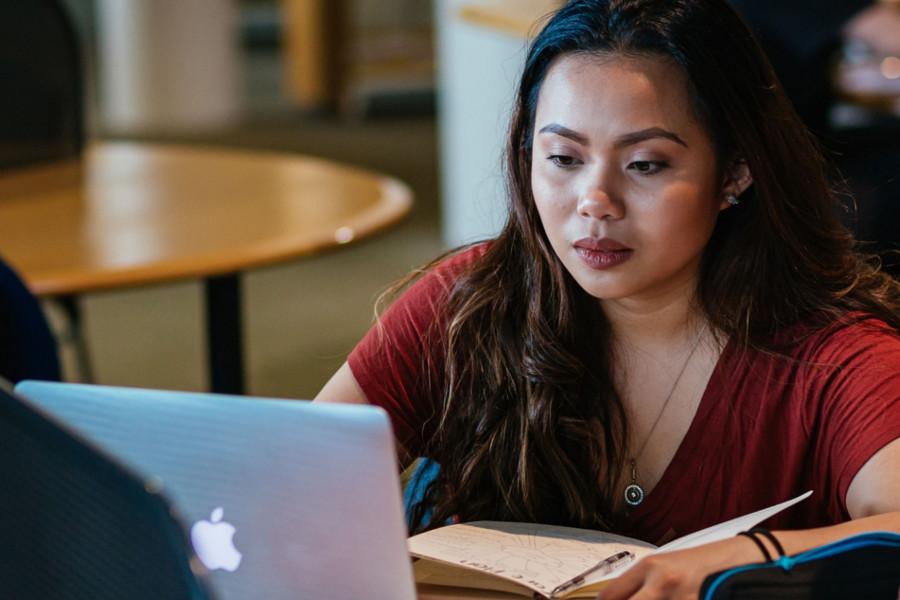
{"x": 625, "y": 585}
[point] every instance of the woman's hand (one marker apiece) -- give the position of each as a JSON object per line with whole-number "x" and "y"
{"x": 678, "y": 575}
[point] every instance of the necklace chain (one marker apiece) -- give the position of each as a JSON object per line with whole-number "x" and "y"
{"x": 634, "y": 493}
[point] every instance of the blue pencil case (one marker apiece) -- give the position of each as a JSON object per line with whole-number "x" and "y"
{"x": 861, "y": 566}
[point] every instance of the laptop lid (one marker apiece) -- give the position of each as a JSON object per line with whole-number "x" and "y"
{"x": 286, "y": 498}
{"x": 75, "y": 524}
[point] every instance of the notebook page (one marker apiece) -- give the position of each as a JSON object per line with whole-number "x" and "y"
{"x": 539, "y": 557}
{"x": 730, "y": 528}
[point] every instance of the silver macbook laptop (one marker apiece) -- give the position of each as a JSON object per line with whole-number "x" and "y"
{"x": 286, "y": 499}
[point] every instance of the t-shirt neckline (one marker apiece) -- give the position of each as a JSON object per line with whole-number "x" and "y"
{"x": 673, "y": 474}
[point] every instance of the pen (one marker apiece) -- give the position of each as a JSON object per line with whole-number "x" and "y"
{"x": 606, "y": 565}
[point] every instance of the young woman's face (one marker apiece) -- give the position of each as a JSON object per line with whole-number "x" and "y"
{"x": 623, "y": 175}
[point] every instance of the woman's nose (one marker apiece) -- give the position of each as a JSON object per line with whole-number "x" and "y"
{"x": 599, "y": 204}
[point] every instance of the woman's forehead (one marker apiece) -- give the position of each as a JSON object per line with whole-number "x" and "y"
{"x": 614, "y": 91}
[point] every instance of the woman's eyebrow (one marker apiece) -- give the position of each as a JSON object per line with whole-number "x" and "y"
{"x": 565, "y": 132}
{"x": 646, "y": 134}
{"x": 624, "y": 140}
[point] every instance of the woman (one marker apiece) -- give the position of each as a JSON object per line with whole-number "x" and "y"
{"x": 671, "y": 330}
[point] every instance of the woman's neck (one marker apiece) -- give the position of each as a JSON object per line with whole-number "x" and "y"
{"x": 655, "y": 321}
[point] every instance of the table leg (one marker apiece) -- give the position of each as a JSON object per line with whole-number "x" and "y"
{"x": 224, "y": 333}
{"x": 72, "y": 310}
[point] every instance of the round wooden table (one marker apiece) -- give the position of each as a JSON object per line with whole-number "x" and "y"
{"x": 133, "y": 214}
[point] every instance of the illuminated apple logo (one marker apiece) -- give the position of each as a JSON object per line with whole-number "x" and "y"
{"x": 213, "y": 541}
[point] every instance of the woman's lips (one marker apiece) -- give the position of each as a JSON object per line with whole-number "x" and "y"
{"x": 602, "y": 253}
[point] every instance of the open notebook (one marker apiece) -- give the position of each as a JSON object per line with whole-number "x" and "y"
{"x": 545, "y": 561}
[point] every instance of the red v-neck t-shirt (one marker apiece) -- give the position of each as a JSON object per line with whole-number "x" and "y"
{"x": 767, "y": 428}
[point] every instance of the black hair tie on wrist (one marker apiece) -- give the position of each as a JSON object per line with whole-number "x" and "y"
{"x": 769, "y": 536}
{"x": 759, "y": 544}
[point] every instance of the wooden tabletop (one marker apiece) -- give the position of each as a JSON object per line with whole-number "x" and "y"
{"x": 517, "y": 17}
{"x": 132, "y": 214}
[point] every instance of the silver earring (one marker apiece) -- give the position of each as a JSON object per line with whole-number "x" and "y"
{"x": 732, "y": 199}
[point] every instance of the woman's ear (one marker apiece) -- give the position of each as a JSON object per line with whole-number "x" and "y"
{"x": 737, "y": 179}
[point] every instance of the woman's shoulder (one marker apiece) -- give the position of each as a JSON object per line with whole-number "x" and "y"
{"x": 424, "y": 301}
{"x": 456, "y": 261}
{"x": 849, "y": 336}
{"x": 437, "y": 278}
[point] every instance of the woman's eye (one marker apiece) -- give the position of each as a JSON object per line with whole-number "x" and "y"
{"x": 561, "y": 160}
{"x": 647, "y": 167}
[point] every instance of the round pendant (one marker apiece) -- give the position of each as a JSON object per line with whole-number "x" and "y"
{"x": 634, "y": 494}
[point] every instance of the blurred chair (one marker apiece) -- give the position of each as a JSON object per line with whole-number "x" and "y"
{"x": 27, "y": 346}
{"x": 77, "y": 525}
{"x": 41, "y": 108}
{"x": 41, "y": 121}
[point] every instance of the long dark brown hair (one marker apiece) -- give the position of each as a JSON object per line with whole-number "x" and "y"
{"x": 531, "y": 427}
